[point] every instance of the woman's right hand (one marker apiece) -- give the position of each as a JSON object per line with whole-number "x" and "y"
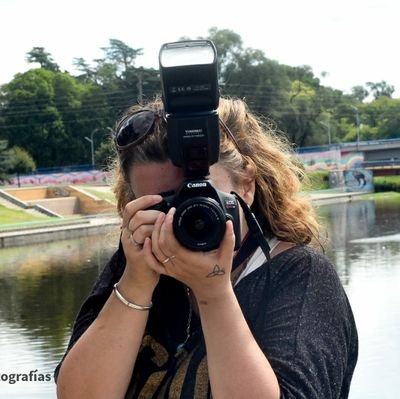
{"x": 100, "y": 363}
{"x": 137, "y": 226}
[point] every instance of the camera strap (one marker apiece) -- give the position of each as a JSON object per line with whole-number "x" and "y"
{"x": 250, "y": 245}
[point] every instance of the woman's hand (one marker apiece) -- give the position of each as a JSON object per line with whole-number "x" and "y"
{"x": 206, "y": 273}
{"x": 137, "y": 225}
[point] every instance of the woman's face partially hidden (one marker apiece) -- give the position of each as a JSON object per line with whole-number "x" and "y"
{"x": 155, "y": 178}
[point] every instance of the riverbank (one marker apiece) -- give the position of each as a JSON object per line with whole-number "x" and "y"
{"x": 328, "y": 197}
{"x": 103, "y": 224}
{"x": 46, "y": 233}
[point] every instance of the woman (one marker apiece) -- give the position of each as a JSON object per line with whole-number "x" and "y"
{"x": 267, "y": 321}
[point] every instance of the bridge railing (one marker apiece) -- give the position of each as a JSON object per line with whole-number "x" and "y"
{"x": 370, "y": 142}
{"x": 337, "y": 146}
{"x": 378, "y": 163}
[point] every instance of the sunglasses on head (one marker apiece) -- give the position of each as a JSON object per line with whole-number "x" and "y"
{"x": 133, "y": 129}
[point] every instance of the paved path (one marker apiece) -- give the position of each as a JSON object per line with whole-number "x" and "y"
{"x": 47, "y": 233}
{"x": 321, "y": 197}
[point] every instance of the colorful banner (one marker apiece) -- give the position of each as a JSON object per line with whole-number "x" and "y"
{"x": 90, "y": 176}
{"x": 330, "y": 160}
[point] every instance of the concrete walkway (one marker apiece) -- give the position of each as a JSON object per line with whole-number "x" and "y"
{"x": 321, "y": 197}
{"x": 47, "y": 233}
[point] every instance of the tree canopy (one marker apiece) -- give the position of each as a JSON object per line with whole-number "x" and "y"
{"x": 48, "y": 113}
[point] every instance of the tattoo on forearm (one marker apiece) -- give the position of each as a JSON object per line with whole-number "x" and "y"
{"x": 217, "y": 271}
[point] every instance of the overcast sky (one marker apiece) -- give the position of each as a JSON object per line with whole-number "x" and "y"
{"x": 353, "y": 41}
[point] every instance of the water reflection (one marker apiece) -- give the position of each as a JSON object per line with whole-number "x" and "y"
{"x": 42, "y": 287}
{"x": 350, "y": 224}
{"x": 365, "y": 247}
{"x": 359, "y": 219}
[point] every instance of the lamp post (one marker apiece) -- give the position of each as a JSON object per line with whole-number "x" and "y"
{"x": 91, "y": 141}
{"x": 328, "y": 127}
{"x": 358, "y": 124}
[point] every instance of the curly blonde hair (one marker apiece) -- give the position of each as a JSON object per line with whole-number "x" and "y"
{"x": 278, "y": 204}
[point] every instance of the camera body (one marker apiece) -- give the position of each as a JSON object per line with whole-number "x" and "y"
{"x": 190, "y": 95}
{"x": 201, "y": 213}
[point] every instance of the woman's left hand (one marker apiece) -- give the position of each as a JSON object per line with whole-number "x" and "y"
{"x": 206, "y": 273}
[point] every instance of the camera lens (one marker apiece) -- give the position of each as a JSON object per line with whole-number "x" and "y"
{"x": 199, "y": 224}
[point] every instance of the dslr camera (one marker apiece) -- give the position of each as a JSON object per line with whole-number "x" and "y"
{"x": 190, "y": 94}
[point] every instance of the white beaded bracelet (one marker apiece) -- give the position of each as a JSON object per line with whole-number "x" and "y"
{"x": 130, "y": 304}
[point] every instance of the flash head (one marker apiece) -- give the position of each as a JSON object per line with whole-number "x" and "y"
{"x": 192, "y": 52}
{"x": 189, "y": 76}
{"x": 190, "y": 95}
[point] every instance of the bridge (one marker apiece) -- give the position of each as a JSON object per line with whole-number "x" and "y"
{"x": 381, "y": 156}
{"x": 391, "y": 146}
{"x": 376, "y": 150}
{"x": 382, "y": 168}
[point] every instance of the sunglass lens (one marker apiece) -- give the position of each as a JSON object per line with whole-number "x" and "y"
{"x": 135, "y": 127}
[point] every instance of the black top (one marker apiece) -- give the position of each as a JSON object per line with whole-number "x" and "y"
{"x": 296, "y": 309}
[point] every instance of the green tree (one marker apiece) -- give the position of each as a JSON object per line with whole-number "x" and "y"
{"x": 31, "y": 117}
{"x": 304, "y": 110}
{"x": 121, "y": 55}
{"x": 266, "y": 85}
{"x": 49, "y": 113}
{"x": 6, "y": 161}
{"x": 380, "y": 89}
{"x": 229, "y": 48}
{"x": 43, "y": 114}
{"x": 41, "y": 56}
{"x": 122, "y": 59}
{"x": 386, "y": 112}
{"x": 360, "y": 93}
{"x": 22, "y": 162}
{"x": 106, "y": 154}
{"x": 118, "y": 77}
{"x": 88, "y": 73}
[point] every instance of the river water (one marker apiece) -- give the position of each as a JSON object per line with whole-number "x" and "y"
{"x": 42, "y": 287}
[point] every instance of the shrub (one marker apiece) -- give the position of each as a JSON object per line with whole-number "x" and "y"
{"x": 387, "y": 183}
{"x": 317, "y": 181}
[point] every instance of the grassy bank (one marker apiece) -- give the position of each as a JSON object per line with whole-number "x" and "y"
{"x": 11, "y": 216}
{"x": 387, "y": 183}
{"x": 11, "y": 219}
{"x": 316, "y": 181}
{"x": 320, "y": 181}
{"x": 386, "y": 197}
{"x": 103, "y": 194}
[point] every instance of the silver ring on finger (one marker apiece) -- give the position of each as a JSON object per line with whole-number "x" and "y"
{"x": 168, "y": 259}
{"x": 133, "y": 241}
